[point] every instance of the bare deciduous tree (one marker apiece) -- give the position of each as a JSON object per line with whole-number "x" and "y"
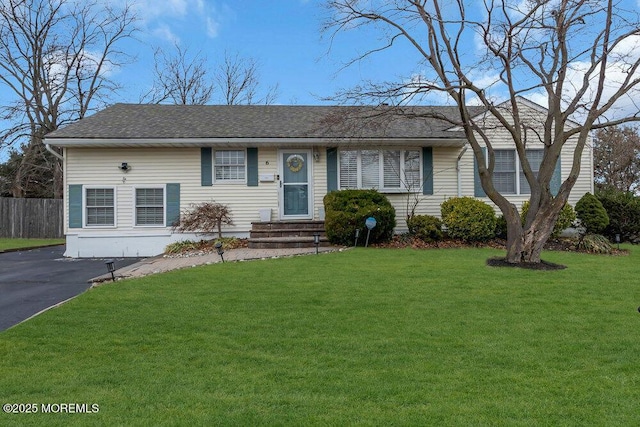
{"x": 239, "y": 81}
{"x": 55, "y": 59}
{"x": 579, "y": 55}
{"x": 180, "y": 79}
{"x": 616, "y": 158}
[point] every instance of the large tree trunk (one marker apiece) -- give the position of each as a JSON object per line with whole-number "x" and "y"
{"x": 525, "y": 244}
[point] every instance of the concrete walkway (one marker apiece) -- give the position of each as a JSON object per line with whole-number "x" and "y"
{"x": 162, "y": 263}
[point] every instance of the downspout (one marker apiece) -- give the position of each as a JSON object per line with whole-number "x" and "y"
{"x": 52, "y": 151}
{"x": 464, "y": 150}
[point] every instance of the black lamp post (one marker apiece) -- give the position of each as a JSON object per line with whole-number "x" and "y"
{"x": 316, "y": 241}
{"x": 220, "y": 251}
{"x": 111, "y": 268}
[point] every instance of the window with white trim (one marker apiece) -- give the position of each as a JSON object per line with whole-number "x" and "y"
{"x": 385, "y": 170}
{"x": 229, "y": 165}
{"x": 100, "y": 207}
{"x": 508, "y": 177}
{"x": 149, "y": 206}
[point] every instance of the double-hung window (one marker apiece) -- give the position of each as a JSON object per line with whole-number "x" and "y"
{"x": 229, "y": 166}
{"x": 508, "y": 177}
{"x": 150, "y": 206}
{"x": 385, "y": 170}
{"x": 100, "y": 207}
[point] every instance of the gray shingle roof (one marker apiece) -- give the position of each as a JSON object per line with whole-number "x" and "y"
{"x": 150, "y": 121}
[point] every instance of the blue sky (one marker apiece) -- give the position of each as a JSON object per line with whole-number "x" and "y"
{"x": 283, "y": 36}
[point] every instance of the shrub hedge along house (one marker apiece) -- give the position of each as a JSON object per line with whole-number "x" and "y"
{"x": 131, "y": 169}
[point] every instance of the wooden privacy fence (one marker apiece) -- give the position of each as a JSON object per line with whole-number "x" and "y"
{"x": 31, "y": 218}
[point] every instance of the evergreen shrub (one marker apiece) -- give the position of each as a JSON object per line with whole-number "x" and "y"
{"x": 347, "y": 210}
{"x": 425, "y": 227}
{"x": 468, "y": 219}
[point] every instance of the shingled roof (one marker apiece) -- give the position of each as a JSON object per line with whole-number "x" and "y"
{"x": 187, "y": 122}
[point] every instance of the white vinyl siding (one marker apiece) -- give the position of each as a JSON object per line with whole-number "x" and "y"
{"x": 150, "y": 206}
{"x": 384, "y": 170}
{"x": 229, "y": 166}
{"x": 100, "y": 207}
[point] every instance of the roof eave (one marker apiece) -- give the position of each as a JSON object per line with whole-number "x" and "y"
{"x": 251, "y": 142}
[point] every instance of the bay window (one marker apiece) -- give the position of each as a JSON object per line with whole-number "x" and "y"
{"x": 385, "y": 170}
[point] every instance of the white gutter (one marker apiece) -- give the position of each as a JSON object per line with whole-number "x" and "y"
{"x": 458, "y": 170}
{"x": 52, "y": 151}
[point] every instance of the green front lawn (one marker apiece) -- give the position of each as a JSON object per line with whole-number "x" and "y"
{"x": 8, "y": 244}
{"x": 368, "y": 336}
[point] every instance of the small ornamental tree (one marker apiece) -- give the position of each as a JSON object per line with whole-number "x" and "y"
{"x": 593, "y": 219}
{"x": 592, "y": 214}
{"x": 468, "y": 219}
{"x": 205, "y": 218}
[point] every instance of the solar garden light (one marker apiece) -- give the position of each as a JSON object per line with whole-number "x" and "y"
{"x": 220, "y": 251}
{"x": 357, "y": 235}
{"x": 111, "y": 267}
{"x": 316, "y": 241}
{"x": 618, "y": 240}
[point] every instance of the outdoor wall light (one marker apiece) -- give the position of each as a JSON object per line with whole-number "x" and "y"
{"x": 220, "y": 251}
{"x": 124, "y": 167}
{"x": 316, "y": 241}
{"x": 316, "y": 156}
{"x": 111, "y": 268}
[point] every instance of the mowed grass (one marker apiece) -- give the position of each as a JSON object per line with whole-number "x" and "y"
{"x": 367, "y": 336}
{"x": 9, "y": 244}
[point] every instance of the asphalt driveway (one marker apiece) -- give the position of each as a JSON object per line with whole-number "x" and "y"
{"x": 36, "y": 279}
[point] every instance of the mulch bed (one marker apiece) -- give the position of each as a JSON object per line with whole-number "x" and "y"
{"x": 560, "y": 244}
{"x": 542, "y": 265}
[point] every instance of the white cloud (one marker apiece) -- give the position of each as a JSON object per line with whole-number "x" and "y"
{"x": 212, "y": 27}
{"x": 163, "y": 32}
{"x": 163, "y": 19}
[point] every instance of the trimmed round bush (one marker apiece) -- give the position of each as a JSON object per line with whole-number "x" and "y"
{"x": 592, "y": 214}
{"x": 347, "y": 210}
{"x": 425, "y": 227}
{"x": 565, "y": 219}
{"x": 468, "y": 219}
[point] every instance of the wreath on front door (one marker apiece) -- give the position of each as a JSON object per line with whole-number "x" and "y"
{"x": 295, "y": 162}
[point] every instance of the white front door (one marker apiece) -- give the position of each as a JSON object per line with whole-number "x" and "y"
{"x": 296, "y": 194}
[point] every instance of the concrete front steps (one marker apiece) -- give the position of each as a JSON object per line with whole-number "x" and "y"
{"x": 286, "y": 234}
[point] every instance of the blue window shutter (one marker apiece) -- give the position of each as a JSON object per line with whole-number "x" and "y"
{"x": 556, "y": 179}
{"x": 173, "y": 204}
{"x": 75, "y": 206}
{"x": 252, "y": 167}
{"x": 478, "y": 191}
{"x": 427, "y": 170}
{"x": 332, "y": 169}
{"x": 206, "y": 166}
